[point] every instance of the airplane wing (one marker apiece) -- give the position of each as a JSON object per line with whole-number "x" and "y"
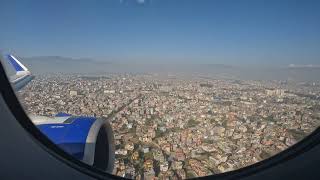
{"x": 22, "y": 77}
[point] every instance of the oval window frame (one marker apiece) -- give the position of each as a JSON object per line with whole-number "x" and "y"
{"x": 8, "y": 94}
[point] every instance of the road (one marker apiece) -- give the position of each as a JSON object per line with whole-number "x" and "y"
{"x": 113, "y": 113}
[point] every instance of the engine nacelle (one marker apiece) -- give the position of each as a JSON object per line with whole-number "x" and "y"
{"x": 88, "y": 139}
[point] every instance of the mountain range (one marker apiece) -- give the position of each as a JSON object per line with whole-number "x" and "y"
{"x": 58, "y": 64}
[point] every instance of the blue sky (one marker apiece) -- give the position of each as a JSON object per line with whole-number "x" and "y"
{"x": 190, "y": 31}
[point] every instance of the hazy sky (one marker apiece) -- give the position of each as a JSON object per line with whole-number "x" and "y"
{"x": 193, "y": 31}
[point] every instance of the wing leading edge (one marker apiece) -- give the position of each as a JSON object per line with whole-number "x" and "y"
{"x": 22, "y": 77}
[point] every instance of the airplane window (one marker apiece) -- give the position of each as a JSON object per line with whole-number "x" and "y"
{"x": 148, "y": 89}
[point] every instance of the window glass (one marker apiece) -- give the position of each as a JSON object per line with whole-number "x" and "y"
{"x": 166, "y": 89}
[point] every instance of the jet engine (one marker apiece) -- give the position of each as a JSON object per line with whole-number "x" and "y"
{"x": 88, "y": 139}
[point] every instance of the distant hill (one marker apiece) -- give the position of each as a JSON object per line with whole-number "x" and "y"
{"x": 58, "y": 64}
{"x": 56, "y": 59}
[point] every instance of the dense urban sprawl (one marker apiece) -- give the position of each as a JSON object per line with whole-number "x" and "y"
{"x": 176, "y": 127}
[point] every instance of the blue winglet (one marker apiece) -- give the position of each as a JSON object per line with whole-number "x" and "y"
{"x": 16, "y": 64}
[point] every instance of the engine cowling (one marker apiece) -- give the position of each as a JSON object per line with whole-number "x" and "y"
{"x": 88, "y": 139}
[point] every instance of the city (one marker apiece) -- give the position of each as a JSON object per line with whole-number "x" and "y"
{"x": 175, "y": 127}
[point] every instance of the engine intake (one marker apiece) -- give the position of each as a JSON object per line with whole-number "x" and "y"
{"x": 88, "y": 139}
